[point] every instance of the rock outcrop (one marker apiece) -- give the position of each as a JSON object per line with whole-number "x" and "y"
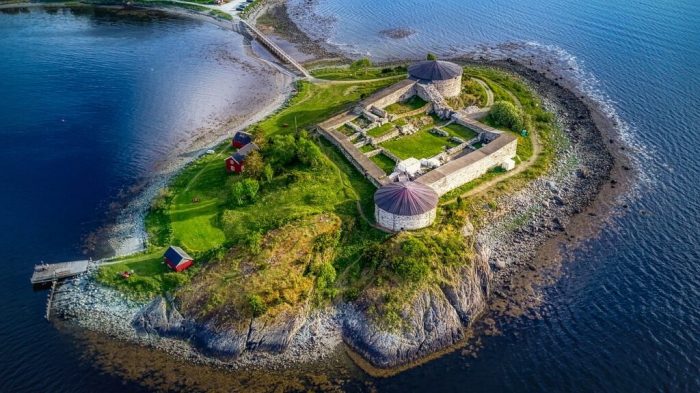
{"x": 435, "y": 319}
{"x": 263, "y": 334}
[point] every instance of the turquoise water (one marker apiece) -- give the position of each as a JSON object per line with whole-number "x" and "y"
{"x": 625, "y": 316}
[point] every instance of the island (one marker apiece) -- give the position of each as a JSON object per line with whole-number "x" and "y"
{"x": 381, "y": 208}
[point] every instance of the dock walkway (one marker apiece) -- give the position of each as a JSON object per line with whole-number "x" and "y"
{"x": 46, "y": 273}
{"x": 275, "y": 49}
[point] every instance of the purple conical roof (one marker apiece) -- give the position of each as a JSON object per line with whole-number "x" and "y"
{"x": 406, "y": 198}
{"x": 434, "y": 70}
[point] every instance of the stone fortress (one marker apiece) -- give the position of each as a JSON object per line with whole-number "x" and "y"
{"x": 407, "y": 198}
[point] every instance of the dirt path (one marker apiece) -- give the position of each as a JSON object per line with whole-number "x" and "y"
{"x": 489, "y": 92}
{"x": 536, "y": 150}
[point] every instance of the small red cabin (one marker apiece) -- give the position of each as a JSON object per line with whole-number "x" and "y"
{"x": 236, "y": 162}
{"x": 177, "y": 259}
{"x": 241, "y": 139}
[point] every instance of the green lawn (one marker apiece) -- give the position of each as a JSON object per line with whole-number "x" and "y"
{"x": 422, "y": 144}
{"x": 317, "y": 102}
{"x": 346, "y": 130}
{"x": 343, "y": 74}
{"x": 367, "y": 148}
{"x": 150, "y": 276}
{"x": 381, "y": 130}
{"x": 409, "y": 105}
{"x": 384, "y": 162}
{"x": 460, "y": 131}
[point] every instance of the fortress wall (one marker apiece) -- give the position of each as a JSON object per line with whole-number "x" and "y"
{"x": 363, "y": 164}
{"x": 399, "y": 223}
{"x": 394, "y": 93}
{"x": 450, "y": 87}
{"x": 469, "y": 167}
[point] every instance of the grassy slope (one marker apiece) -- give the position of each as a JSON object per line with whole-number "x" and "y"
{"x": 197, "y": 198}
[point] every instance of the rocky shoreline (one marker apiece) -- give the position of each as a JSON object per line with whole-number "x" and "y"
{"x": 512, "y": 264}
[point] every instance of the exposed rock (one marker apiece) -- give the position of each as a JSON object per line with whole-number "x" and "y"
{"x": 430, "y": 323}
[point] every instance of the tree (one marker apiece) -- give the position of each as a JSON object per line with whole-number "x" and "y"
{"x": 250, "y": 189}
{"x": 360, "y": 65}
{"x": 307, "y": 152}
{"x": 431, "y": 56}
{"x": 280, "y": 150}
{"x": 505, "y": 115}
{"x": 254, "y": 165}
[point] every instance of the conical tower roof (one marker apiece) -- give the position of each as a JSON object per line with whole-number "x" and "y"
{"x": 434, "y": 70}
{"x": 406, "y": 198}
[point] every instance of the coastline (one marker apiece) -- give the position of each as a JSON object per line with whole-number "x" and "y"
{"x": 547, "y": 254}
{"x": 125, "y": 233}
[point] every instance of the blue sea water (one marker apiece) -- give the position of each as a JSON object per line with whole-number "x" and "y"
{"x": 625, "y": 316}
{"x": 90, "y": 104}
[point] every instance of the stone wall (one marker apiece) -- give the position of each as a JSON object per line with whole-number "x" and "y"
{"x": 389, "y": 135}
{"x": 400, "y": 223}
{"x": 363, "y": 164}
{"x": 470, "y": 166}
{"x": 449, "y": 87}
{"x": 430, "y": 93}
{"x": 394, "y": 93}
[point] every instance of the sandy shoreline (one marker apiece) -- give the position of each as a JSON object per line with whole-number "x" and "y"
{"x": 525, "y": 267}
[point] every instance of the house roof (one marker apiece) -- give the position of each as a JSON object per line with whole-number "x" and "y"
{"x": 406, "y": 198}
{"x": 243, "y": 152}
{"x": 176, "y": 255}
{"x": 434, "y": 70}
{"x": 242, "y": 137}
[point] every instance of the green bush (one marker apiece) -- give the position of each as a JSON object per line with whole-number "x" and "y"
{"x": 504, "y": 114}
{"x": 257, "y": 305}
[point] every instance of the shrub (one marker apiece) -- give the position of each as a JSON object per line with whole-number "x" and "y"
{"x": 505, "y": 114}
{"x": 360, "y": 65}
{"x": 250, "y": 189}
{"x": 431, "y": 56}
{"x": 238, "y": 193}
{"x": 325, "y": 280}
{"x": 268, "y": 173}
{"x": 308, "y": 153}
{"x": 256, "y": 305}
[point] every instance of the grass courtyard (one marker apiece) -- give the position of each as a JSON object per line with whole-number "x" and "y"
{"x": 460, "y": 131}
{"x": 381, "y": 130}
{"x": 422, "y": 144}
{"x": 384, "y": 162}
{"x": 409, "y": 105}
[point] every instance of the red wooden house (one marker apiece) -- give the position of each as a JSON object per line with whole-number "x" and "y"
{"x": 177, "y": 259}
{"x": 241, "y": 139}
{"x": 236, "y": 163}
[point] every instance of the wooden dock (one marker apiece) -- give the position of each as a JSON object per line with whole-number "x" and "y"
{"x": 46, "y": 273}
